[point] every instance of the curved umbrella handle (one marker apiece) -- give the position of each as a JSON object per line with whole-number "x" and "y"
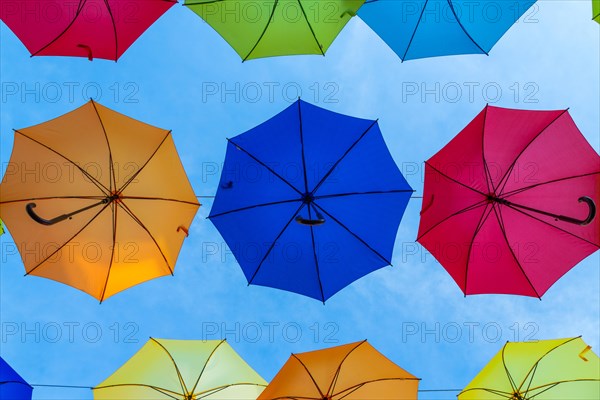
{"x": 311, "y": 222}
{"x": 29, "y": 208}
{"x": 88, "y": 49}
{"x": 591, "y": 214}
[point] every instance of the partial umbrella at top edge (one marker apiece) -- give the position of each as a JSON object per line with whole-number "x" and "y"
{"x": 83, "y": 28}
{"x": 273, "y": 28}
{"x": 510, "y": 204}
{"x": 108, "y": 205}
{"x": 416, "y": 29}
{"x": 310, "y": 201}
{"x": 12, "y": 385}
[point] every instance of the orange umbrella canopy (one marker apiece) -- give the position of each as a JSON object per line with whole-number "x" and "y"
{"x": 355, "y": 371}
{"x": 97, "y": 200}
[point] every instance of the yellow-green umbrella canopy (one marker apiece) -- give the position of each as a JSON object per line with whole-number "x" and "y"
{"x": 183, "y": 370}
{"x": 596, "y": 10}
{"x": 563, "y": 369}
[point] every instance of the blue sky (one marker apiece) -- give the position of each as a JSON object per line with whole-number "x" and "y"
{"x": 168, "y": 78}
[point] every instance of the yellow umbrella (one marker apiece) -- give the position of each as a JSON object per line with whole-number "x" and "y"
{"x": 97, "y": 200}
{"x": 543, "y": 370}
{"x": 183, "y": 370}
{"x": 355, "y": 371}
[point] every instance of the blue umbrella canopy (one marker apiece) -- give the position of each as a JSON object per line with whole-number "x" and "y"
{"x": 430, "y": 28}
{"x": 12, "y": 386}
{"x": 310, "y": 201}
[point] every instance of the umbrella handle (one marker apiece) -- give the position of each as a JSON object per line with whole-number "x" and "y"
{"x": 591, "y": 214}
{"x": 30, "y": 206}
{"x": 88, "y": 49}
{"x": 311, "y": 222}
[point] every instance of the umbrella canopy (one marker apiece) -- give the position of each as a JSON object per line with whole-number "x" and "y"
{"x": 541, "y": 370}
{"x": 183, "y": 370}
{"x": 12, "y": 386}
{"x": 509, "y": 204}
{"x": 354, "y": 371}
{"x": 81, "y": 28}
{"x": 596, "y": 10}
{"x": 430, "y": 28}
{"x": 97, "y": 200}
{"x": 276, "y": 27}
{"x": 310, "y": 201}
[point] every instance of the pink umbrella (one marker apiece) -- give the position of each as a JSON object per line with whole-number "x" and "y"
{"x": 509, "y": 204}
{"x": 81, "y": 28}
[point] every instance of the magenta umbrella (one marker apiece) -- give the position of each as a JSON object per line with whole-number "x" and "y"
{"x": 509, "y": 204}
{"x": 81, "y": 28}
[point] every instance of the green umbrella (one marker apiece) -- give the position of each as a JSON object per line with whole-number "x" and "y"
{"x": 596, "y": 10}
{"x": 268, "y": 28}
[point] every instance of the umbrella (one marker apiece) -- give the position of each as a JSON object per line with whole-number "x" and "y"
{"x": 596, "y": 10}
{"x": 184, "y": 370}
{"x": 354, "y": 371}
{"x": 509, "y": 204}
{"x": 310, "y": 201}
{"x": 431, "y": 28}
{"x": 97, "y": 200}
{"x": 81, "y": 28}
{"x": 276, "y": 27}
{"x": 12, "y": 386}
{"x": 541, "y": 370}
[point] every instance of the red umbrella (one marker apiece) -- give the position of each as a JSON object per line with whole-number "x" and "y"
{"x": 81, "y": 28}
{"x": 509, "y": 204}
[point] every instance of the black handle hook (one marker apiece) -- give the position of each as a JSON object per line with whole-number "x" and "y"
{"x": 311, "y": 222}
{"x": 30, "y": 206}
{"x": 591, "y": 214}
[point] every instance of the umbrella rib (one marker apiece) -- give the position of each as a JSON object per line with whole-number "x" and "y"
{"x": 79, "y": 9}
{"x": 523, "y": 189}
{"x": 54, "y": 198}
{"x": 181, "y": 381}
{"x": 310, "y": 375}
{"x": 331, "y": 388}
{"x": 311, "y": 28}
{"x": 329, "y": 196}
{"x": 454, "y": 214}
{"x": 166, "y": 392}
{"x": 273, "y": 244}
{"x": 312, "y": 237}
{"x": 549, "y": 224}
{"x": 500, "y": 220}
{"x": 415, "y": 31}
{"x": 112, "y": 19}
{"x": 492, "y": 391}
{"x": 513, "y": 386}
{"x": 132, "y": 178}
{"x": 271, "y": 170}
{"x": 343, "y": 156}
{"x": 141, "y": 224}
{"x": 205, "y": 364}
{"x": 84, "y": 172}
{"x": 482, "y": 220}
{"x": 354, "y": 388}
{"x": 453, "y": 180}
{"x": 202, "y": 395}
{"x": 551, "y": 385}
{"x": 252, "y": 207}
{"x": 191, "y": 203}
{"x": 112, "y": 252}
{"x": 65, "y": 243}
{"x": 544, "y": 355}
{"x": 111, "y": 167}
{"x": 302, "y": 139}
{"x": 463, "y": 28}
{"x": 353, "y": 234}
{"x": 512, "y": 165}
{"x": 264, "y": 30}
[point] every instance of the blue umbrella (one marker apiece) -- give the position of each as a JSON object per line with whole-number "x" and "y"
{"x": 431, "y": 28}
{"x": 12, "y": 386}
{"x": 310, "y": 201}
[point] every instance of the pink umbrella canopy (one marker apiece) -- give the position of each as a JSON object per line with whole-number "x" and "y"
{"x": 509, "y": 205}
{"x": 81, "y": 28}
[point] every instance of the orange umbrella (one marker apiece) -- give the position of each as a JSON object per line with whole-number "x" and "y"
{"x": 355, "y": 371}
{"x": 97, "y": 200}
